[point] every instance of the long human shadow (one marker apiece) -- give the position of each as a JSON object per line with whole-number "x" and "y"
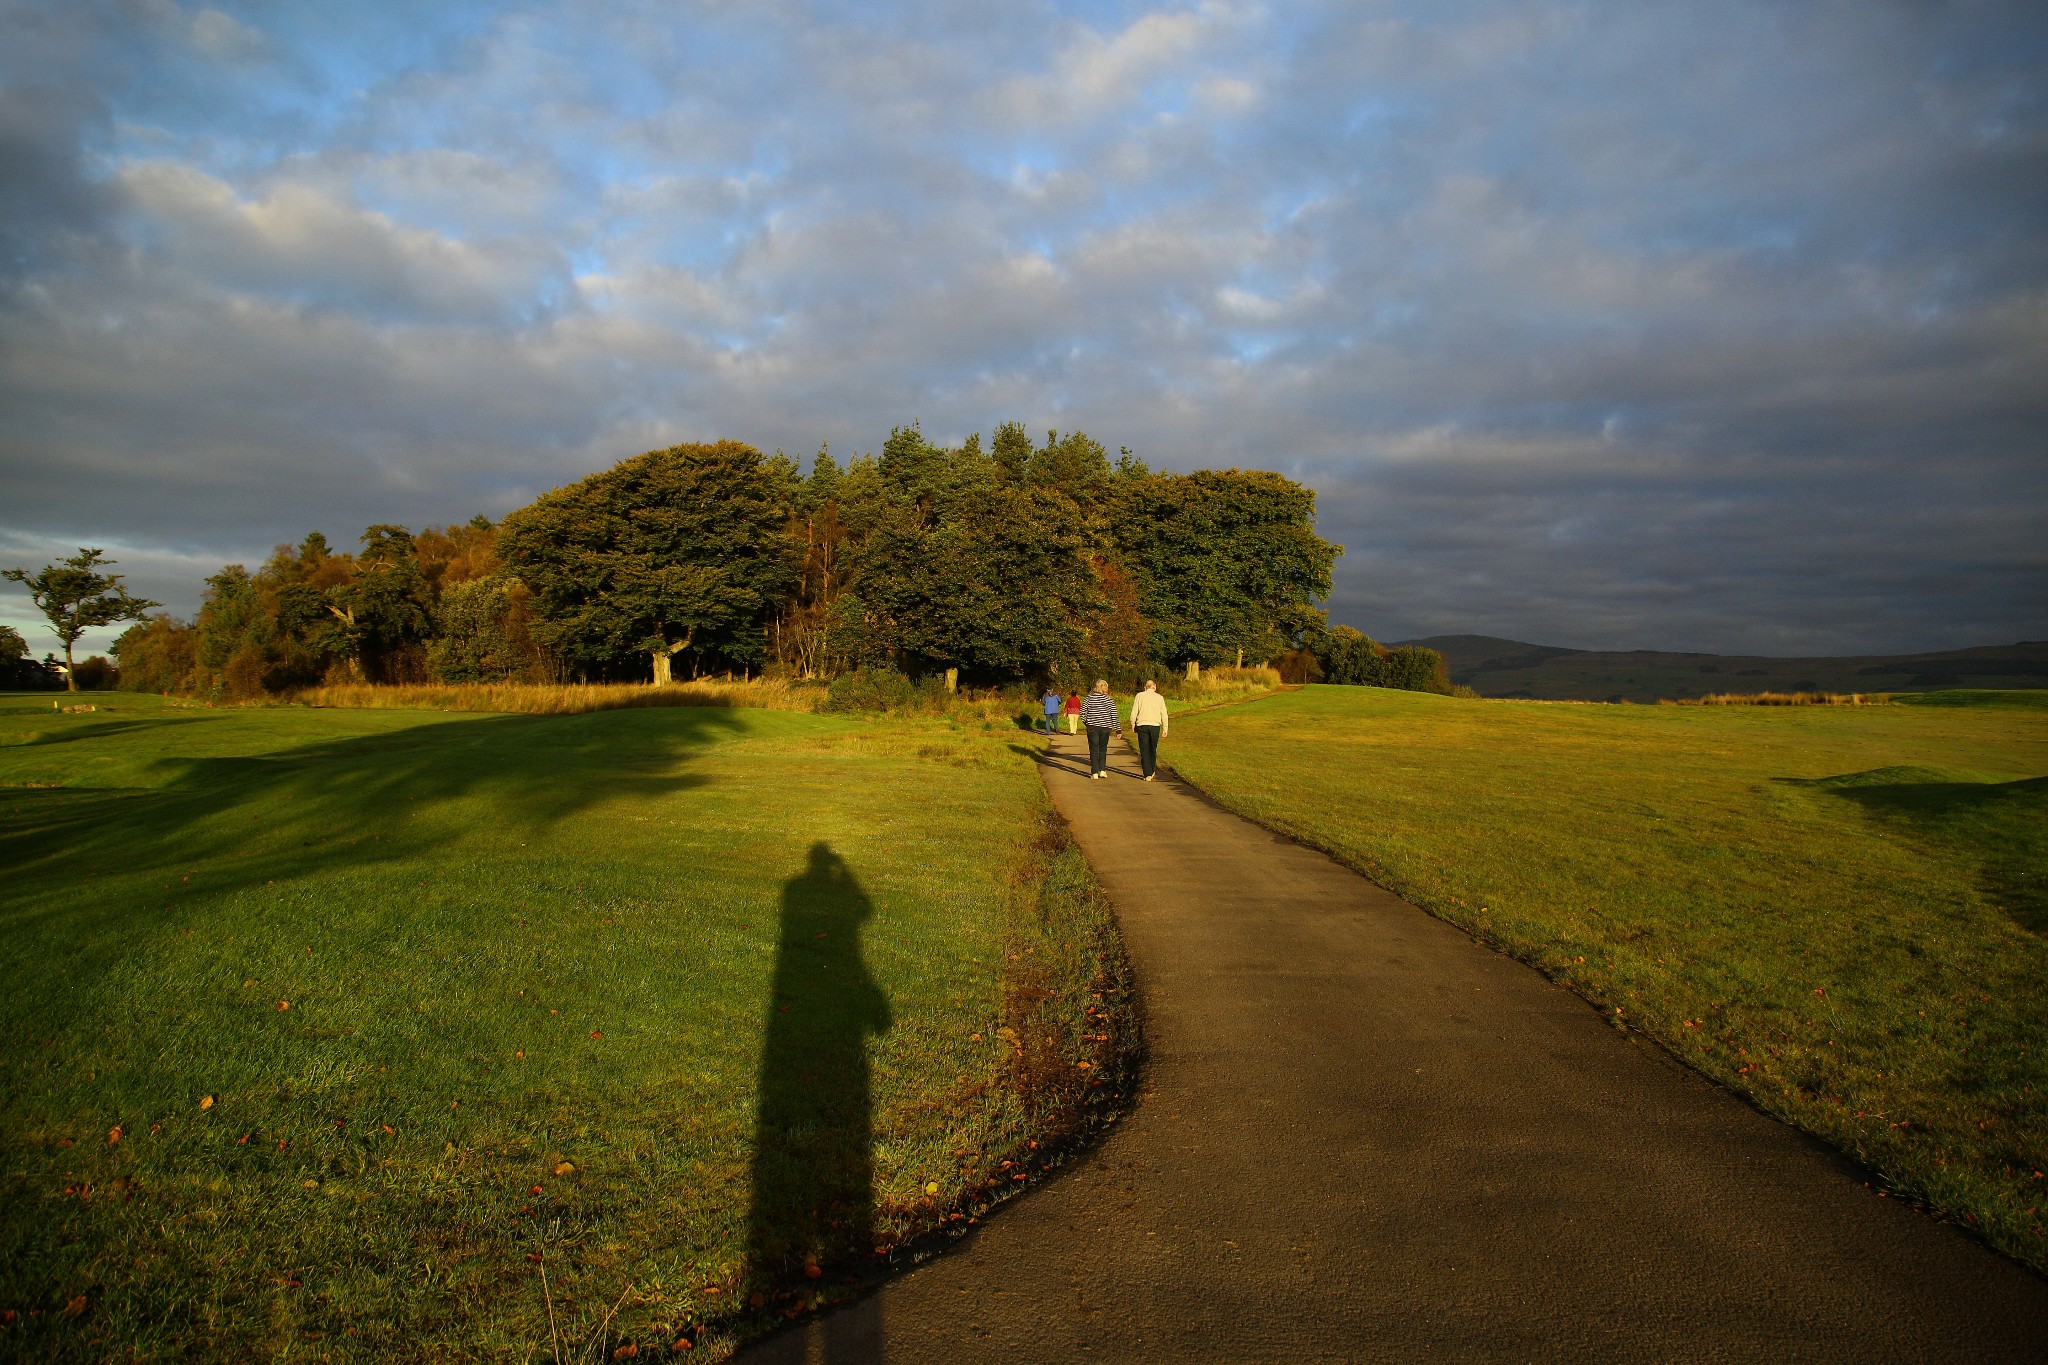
{"x": 813, "y": 1206}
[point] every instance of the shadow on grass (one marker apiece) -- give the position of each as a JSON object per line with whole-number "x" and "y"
{"x": 813, "y": 1200}
{"x": 217, "y": 823}
{"x": 2001, "y": 827}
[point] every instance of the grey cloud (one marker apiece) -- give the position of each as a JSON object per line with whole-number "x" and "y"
{"x": 1611, "y": 325}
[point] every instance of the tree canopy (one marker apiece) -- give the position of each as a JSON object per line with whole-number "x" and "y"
{"x": 74, "y": 596}
{"x": 1011, "y": 561}
{"x": 677, "y": 549}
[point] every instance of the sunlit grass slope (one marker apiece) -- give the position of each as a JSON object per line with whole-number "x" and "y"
{"x": 321, "y": 1026}
{"x": 1839, "y": 912}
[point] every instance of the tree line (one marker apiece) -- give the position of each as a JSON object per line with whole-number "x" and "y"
{"x": 1016, "y": 561}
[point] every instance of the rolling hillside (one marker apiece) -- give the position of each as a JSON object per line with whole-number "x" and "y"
{"x": 1495, "y": 667}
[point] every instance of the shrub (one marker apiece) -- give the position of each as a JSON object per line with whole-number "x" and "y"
{"x": 870, "y": 689}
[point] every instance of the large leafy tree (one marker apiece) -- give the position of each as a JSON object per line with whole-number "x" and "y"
{"x": 74, "y": 596}
{"x": 1225, "y": 561}
{"x": 678, "y": 549}
{"x": 960, "y": 566}
{"x": 384, "y": 612}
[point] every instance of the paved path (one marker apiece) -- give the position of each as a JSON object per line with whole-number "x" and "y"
{"x": 1361, "y": 1136}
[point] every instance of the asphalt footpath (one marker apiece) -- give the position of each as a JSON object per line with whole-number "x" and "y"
{"x": 1362, "y": 1136}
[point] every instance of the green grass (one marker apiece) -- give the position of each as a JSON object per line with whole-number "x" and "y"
{"x": 545, "y": 976}
{"x": 1836, "y": 911}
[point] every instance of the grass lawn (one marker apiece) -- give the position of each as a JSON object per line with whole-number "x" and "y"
{"x": 327, "y": 1032}
{"x": 1839, "y": 912}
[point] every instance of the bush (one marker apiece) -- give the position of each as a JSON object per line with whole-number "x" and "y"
{"x": 157, "y": 655}
{"x": 871, "y": 689}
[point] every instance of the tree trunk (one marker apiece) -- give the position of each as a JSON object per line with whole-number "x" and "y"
{"x": 70, "y": 670}
{"x": 1194, "y": 670}
{"x": 662, "y": 673}
{"x": 952, "y": 680}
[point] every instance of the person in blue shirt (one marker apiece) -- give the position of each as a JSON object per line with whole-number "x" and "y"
{"x": 1051, "y": 702}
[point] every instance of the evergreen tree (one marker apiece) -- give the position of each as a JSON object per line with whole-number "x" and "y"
{"x": 74, "y": 596}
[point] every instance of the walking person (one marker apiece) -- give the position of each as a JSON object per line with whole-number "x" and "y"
{"x": 1051, "y": 702}
{"x": 1098, "y": 714}
{"x": 1073, "y": 713}
{"x": 1148, "y": 723}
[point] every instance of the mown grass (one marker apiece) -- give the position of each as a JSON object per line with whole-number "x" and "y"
{"x": 1838, "y": 912}
{"x": 563, "y": 699}
{"x": 329, "y": 1031}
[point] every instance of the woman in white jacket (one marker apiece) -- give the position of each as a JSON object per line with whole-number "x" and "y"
{"x": 1148, "y": 722}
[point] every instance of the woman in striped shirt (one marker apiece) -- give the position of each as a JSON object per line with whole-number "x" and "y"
{"x": 1098, "y": 713}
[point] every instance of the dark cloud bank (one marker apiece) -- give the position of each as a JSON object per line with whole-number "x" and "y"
{"x": 1710, "y": 327}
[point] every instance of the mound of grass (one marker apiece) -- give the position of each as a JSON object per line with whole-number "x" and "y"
{"x": 333, "y": 1032}
{"x": 1966, "y": 696}
{"x": 1836, "y": 911}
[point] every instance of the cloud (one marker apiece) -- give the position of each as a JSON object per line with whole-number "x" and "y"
{"x": 1599, "y": 324}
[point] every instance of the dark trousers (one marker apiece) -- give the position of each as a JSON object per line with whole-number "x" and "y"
{"x": 1148, "y": 748}
{"x": 1051, "y": 719}
{"x": 1098, "y": 748}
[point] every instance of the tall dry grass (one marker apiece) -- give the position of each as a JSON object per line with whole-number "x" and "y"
{"x": 569, "y": 699}
{"x": 1783, "y": 699}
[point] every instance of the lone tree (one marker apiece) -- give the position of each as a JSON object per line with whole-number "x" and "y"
{"x": 76, "y": 597}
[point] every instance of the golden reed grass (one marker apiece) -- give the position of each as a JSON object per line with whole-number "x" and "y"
{"x": 565, "y": 699}
{"x": 1784, "y": 699}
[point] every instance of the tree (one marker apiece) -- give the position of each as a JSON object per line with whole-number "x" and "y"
{"x": 673, "y": 550}
{"x": 76, "y": 597}
{"x": 995, "y": 582}
{"x": 157, "y": 654}
{"x": 1225, "y": 560}
{"x": 381, "y": 615}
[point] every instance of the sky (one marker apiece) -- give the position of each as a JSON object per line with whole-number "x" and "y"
{"x": 1637, "y": 325}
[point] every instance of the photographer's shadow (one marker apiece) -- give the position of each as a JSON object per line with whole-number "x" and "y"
{"x": 813, "y": 1191}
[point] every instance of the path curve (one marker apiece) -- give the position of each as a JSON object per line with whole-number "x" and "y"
{"x": 1362, "y": 1136}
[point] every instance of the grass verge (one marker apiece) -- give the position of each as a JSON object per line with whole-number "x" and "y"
{"x": 1837, "y": 911}
{"x": 333, "y": 1031}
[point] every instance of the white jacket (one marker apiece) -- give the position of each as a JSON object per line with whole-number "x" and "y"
{"x": 1149, "y": 708}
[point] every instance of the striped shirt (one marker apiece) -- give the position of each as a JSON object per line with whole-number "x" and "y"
{"x": 1099, "y": 712}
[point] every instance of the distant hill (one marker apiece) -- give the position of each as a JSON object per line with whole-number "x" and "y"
{"x": 1494, "y": 667}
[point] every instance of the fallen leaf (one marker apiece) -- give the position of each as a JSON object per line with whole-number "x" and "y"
{"x": 75, "y": 1307}
{"x": 113, "y": 1135}
{"x": 596, "y": 1033}
{"x": 626, "y": 1352}
{"x": 931, "y": 1187}
{"x": 534, "y": 1190}
{"x": 312, "y": 1184}
{"x": 388, "y": 1128}
{"x": 519, "y": 1054}
{"x": 683, "y": 1344}
{"x": 812, "y": 1272}
{"x": 206, "y": 1101}
{"x": 283, "y": 1005}
{"x": 565, "y": 1168}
